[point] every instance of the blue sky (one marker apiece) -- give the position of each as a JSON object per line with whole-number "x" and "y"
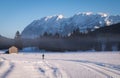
{"x": 17, "y": 14}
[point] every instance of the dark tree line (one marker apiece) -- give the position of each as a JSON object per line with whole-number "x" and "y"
{"x": 6, "y": 43}
{"x": 103, "y": 39}
{"x": 18, "y": 40}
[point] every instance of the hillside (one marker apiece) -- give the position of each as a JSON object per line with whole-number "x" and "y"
{"x": 64, "y": 26}
{"x": 5, "y": 43}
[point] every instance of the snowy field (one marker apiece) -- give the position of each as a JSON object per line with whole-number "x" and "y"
{"x": 60, "y": 65}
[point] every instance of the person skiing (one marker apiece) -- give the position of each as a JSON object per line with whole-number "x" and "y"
{"x": 43, "y": 56}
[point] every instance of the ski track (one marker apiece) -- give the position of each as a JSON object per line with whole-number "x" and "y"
{"x": 106, "y": 71}
{"x": 5, "y": 68}
{"x": 50, "y": 71}
{"x": 13, "y": 68}
{"x": 28, "y": 69}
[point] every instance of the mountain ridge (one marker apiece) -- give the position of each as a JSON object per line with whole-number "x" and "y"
{"x": 64, "y": 26}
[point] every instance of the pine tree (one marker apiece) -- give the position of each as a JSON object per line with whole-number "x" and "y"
{"x": 56, "y": 35}
{"x": 18, "y": 40}
{"x": 45, "y": 34}
{"x": 76, "y": 32}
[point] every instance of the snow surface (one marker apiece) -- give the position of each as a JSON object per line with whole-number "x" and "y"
{"x": 61, "y": 65}
{"x": 64, "y": 26}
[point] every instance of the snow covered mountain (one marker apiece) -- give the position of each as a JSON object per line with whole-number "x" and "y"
{"x": 59, "y": 24}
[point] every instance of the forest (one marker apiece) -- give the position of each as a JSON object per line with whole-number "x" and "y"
{"x": 103, "y": 39}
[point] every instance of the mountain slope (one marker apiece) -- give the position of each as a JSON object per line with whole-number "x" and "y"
{"x": 5, "y": 43}
{"x": 64, "y": 26}
{"x": 113, "y": 29}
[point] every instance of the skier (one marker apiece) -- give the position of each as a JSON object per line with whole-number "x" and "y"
{"x": 43, "y": 56}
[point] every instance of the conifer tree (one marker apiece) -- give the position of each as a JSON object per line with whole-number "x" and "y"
{"x": 18, "y": 40}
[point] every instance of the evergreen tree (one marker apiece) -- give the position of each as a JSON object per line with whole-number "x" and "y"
{"x": 18, "y": 40}
{"x": 76, "y": 32}
{"x": 57, "y": 35}
{"x": 45, "y": 34}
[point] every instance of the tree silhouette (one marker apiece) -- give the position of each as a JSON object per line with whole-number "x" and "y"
{"x": 18, "y": 40}
{"x": 76, "y": 32}
{"x": 45, "y": 34}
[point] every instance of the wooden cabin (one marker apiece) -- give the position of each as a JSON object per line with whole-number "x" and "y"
{"x": 13, "y": 49}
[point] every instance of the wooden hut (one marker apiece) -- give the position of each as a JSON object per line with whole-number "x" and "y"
{"x": 13, "y": 49}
